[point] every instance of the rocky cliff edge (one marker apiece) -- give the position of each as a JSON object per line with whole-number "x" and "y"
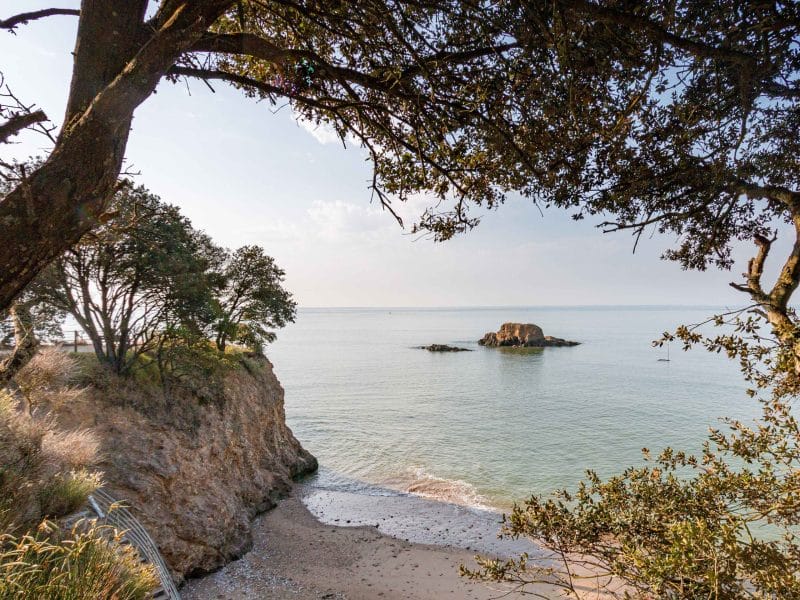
{"x": 195, "y": 474}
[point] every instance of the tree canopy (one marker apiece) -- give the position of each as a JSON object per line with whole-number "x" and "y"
{"x": 141, "y": 273}
{"x": 251, "y": 298}
{"x": 676, "y": 115}
{"x": 146, "y": 282}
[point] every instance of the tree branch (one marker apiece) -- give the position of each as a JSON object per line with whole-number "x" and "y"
{"x": 790, "y": 273}
{"x": 25, "y": 343}
{"x": 24, "y": 18}
{"x": 755, "y": 269}
{"x": 19, "y": 122}
{"x": 778, "y": 193}
{"x": 269, "y": 90}
{"x": 217, "y": 75}
{"x": 659, "y": 33}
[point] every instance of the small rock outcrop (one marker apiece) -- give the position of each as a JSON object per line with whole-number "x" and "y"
{"x": 522, "y": 335}
{"x": 443, "y": 348}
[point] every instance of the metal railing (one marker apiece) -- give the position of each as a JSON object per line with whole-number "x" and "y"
{"x": 73, "y": 341}
{"x": 113, "y": 513}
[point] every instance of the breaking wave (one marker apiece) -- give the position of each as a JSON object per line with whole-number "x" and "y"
{"x": 418, "y": 481}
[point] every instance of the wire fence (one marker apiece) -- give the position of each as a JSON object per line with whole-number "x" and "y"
{"x": 113, "y": 513}
{"x": 73, "y": 341}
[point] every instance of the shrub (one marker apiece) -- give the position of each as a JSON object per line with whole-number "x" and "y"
{"x": 43, "y": 472}
{"x": 65, "y": 493}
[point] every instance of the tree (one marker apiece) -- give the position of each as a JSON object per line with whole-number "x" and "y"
{"x": 144, "y": 273}
{"x": 679, "y": 118}
{"x": 252, "y": 299}
{"x": 672, "y": 115}
{"x": 397, "y": 75}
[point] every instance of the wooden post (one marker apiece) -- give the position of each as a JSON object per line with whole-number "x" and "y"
{"x": 76, "y": 341}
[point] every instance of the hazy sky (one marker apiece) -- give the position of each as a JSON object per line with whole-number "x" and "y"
{"x": 247, "y": 173}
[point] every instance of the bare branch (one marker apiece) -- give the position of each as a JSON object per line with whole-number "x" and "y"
{"x": 24, "y": 18}
{"x": 19, "y": 122}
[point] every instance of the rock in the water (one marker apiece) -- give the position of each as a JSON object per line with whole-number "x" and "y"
{"x": 522, "y": 334}
{"x": 443, "y": 348}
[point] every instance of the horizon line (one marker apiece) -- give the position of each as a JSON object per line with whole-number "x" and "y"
{"x": 512, "y": 306}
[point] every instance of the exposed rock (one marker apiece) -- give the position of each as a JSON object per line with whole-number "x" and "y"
{"x": 196, "y": 475}
{"x": 443, "y": 348}
{"x": 522, "y": 334}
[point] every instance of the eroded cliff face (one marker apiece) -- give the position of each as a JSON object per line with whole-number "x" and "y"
{"x": 196, "y": 475}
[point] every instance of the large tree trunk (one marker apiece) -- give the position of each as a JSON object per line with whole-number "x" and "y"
{"x": 118, "y": 63}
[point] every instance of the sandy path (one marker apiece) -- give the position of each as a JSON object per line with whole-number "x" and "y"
{"x": 294, "y": 556}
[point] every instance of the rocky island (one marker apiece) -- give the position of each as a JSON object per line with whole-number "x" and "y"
{"x": 522, "y": 335}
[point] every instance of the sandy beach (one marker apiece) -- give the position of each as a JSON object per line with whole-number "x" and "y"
{"x": 296, "y": 556}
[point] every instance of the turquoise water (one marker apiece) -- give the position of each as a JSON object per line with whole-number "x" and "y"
{"x": 488, "y": 427}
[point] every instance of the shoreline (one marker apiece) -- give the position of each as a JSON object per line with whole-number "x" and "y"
{"x": 297, "y": 556}
{"x": 414, "y": 518}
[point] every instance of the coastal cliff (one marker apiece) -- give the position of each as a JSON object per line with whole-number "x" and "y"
{"x": 194, "y": 473}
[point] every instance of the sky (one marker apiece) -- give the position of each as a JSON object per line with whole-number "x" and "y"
{"x": 249, "y": 173}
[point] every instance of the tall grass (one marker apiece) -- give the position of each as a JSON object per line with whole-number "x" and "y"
{"x": 44, "y": 473}
{"x": 47, "y": 473}
{"x": 88, "y": 563}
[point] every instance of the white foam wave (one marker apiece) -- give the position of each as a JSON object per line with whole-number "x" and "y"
{"x": 418, "y": 481}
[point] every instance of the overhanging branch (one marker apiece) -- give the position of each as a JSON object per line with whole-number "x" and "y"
{"x": 271, "y": 91}
{"x": 657, "y": 32}
{"x": 26, "y": 17}
{"x": 19, "y": 122}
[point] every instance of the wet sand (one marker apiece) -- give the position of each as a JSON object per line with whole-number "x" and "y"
{"x": 296, "y": 556}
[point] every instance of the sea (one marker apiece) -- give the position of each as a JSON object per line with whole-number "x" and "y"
{"x": 487, "y": 428}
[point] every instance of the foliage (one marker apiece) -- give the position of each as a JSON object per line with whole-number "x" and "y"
{"x": 252, "y": 299}
{"x": 143, "y": 271}
{"x": 146, "y": 283}
{"x": 681, "y": 526}
{"x": 47, "y": 473}
{"x": 86, "y": 563}
{"x": 677, "y": 115}
{"x": 671, "y": 113}
{"x": 45, "y": 318}
{"x": 198, "y": 368}
{"x": 722, "y": 524}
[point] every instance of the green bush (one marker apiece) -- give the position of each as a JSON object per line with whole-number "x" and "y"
{"x": 67, "y": 492}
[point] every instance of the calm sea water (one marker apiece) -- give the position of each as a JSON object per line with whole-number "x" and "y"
{"x": 488, "y": 427}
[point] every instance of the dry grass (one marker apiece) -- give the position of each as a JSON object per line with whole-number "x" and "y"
{"x": 46, "y": 473}
{"x": 43, "y": 473}
{"x": 74, "y": 449}
{"x": 88, "y": 563}
{"x": 47, "y": 379}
